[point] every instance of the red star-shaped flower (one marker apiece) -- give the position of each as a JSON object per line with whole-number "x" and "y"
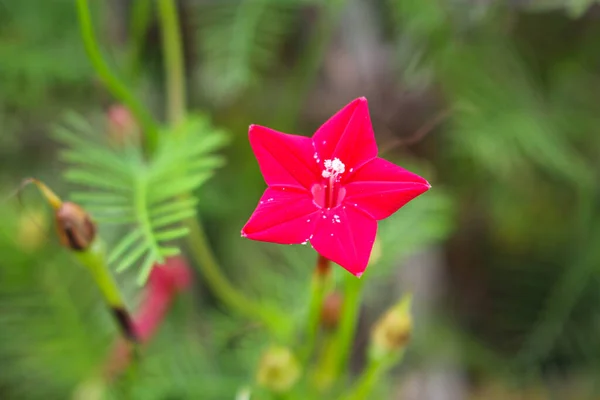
{"x": 329, "y": 190}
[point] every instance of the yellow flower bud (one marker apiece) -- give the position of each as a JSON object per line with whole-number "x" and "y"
{"x": 278, "y": 369}
{"x": 392, "y": 332}
{"x": 31, "y": 230}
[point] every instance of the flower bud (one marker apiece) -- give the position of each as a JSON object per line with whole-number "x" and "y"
{"x": 75, "y": 228}
{"x": 392, "y": 332}
{"x": 278, "y": 369}
{"x": 74, "y": 225}
{"x": 122, "y": 126}
{"x": 330, "y": 313}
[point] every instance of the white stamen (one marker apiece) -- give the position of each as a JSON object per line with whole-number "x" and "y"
{"x": 333, "y": 168}
{"x": 338, "y": 166}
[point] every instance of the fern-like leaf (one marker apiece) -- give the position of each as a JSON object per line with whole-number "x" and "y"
{"x": 150, "y": 197}
{"x": 240, "y": 40}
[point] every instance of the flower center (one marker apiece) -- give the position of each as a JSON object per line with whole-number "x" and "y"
{"x": 329, "y": 193}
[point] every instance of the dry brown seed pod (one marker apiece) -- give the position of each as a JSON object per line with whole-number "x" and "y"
{"x": 74, "y": 226}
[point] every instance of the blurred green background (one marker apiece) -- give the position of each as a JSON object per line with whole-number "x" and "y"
{"x": 496, "y": 103}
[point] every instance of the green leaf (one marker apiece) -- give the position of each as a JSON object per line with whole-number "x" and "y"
{"x": 150, "y": 197}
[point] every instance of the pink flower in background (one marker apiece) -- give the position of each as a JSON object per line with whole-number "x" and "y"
{"x": 329, "y": 190}
{"x": 164, "y": 283}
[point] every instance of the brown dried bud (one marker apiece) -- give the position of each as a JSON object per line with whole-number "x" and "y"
{"x": 75, "y": 227}
{"x": 330, "y": 313}
{"x": 278, "y": 369}
{"x": 392, "y": 332}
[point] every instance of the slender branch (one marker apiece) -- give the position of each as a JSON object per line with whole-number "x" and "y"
{"x": 371, "y": 376}
{"x": 222, "y": 288}
{"x": 95, "y": 261}
{"x": 198, "y": 243}
{"x": 420, "y": 133}
{"x": 173, "y": 60}
{"x": 141, "y": 12}
{"x": 348, "y": 321}
{"x": 112, "y": 83}
{"x": 335, "y": 354}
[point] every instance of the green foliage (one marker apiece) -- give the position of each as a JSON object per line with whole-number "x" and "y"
{"x": 54, "y": 326}
{"x": 574, "y": 8}
{"x": 240, "y": 41}
{"x": 150, "y": 198}
{"x": 40, "y": 51}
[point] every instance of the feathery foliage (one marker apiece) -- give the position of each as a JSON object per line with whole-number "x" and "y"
{"x": 240, "y": 41}
{"x": 149, "y": 197}
{"x": 39, "y": 51}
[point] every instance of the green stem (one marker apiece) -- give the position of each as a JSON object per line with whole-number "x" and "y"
{"x": 222, "y": 288}
{"x": 319, "y": 284}
{"x": 348, "y": 321}
{"x": 336, "y": 352}
{"x": 198, "y": 243}
{"x": 173, "y": 60}
{"x": 140, "y": 17}
{"x": 371, "y": 376}
{"x": 95, "y": 261}
{"x": 112, "y": 83}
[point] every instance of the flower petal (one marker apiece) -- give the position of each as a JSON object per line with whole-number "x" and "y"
{"x": 380, "y": 188}
{"x": 286, "y": 160}
{"x": 283, "y": 215}
{"x": 345, "y": 235}
{"x": 348, "y": 135}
